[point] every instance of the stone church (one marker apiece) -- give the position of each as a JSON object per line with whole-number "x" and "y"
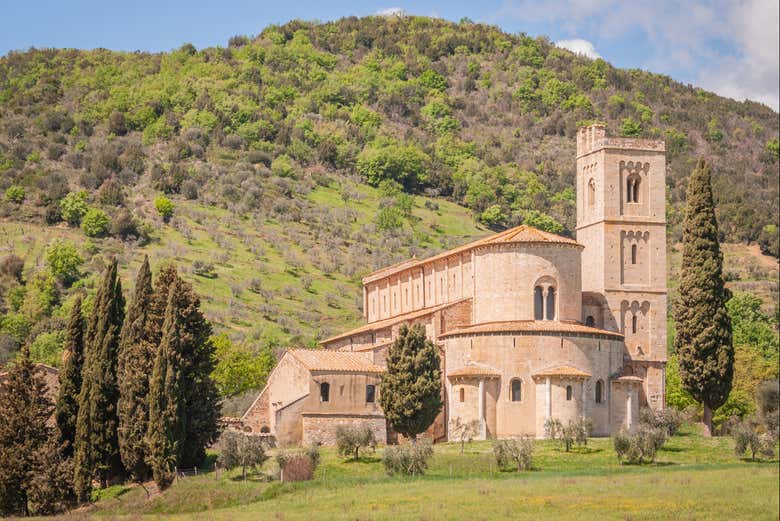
{"x": 530, "y": 325}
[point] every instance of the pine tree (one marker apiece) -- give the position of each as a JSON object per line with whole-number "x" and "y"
{"x": 137, "y": 347}
{"x": 24, "y": 412}
{"x": 166, "y": 407}
{"x": 703, "y": 340}
{"x": 411, "y": 389}
{"x": 97, "y": 447}
{"x": 67, "y": 406}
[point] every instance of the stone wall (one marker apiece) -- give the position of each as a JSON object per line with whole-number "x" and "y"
{"x": 321, "y": 428}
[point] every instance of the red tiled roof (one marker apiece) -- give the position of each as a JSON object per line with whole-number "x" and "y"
{"x": 537, "y": 326}
{"x": 518, "y": 234}
{"x": 328, "y": 360}
{"x": 563, "y": 370}
{"x": 474, "y": 370}
{"x": 387, "y": 322}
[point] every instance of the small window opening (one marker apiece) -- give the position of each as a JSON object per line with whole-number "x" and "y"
{"x": 538, "y": 303}
{"x": 462, "y": 394}
{"x": 370, "y": 393}
{"x": 568, "y": 393}
{"x": 324, "y": 392}
{"x": 599, "y": 391}
{"x": 517, "y": 390}
{"x": 633, "y": 324}
{"x": 633, "y": 254}
{"x": 590, "y": 321}
{"x": 550, "y": 304}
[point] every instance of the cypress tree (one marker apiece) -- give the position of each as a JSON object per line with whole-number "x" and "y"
{"x": 411, "y": 388}
{"x": 703, "y": 340}
{"x": 166, "y": 404}
{"x": 24, "y": 412}
{"x": 96, "y": 452}
{"x": 137, "y": 347}
{"x": 67, "y": 406}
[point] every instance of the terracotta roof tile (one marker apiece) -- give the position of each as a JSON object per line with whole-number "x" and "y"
{"x": 518, "y": 234}
{"x": 387, "y": 322}
{"x": 474, "y": 370}
{"x": 328, "y": 360}
{"x": 531, "y": 326}
{"x": 563, "y": 370}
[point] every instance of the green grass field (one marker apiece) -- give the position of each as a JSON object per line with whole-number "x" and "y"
{"x": 692, "y": 478}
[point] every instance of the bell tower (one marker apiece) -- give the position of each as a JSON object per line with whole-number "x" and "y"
{"x": 621, "y": 221}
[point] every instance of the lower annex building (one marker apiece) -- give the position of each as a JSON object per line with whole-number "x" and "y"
{"x": 529, "y": 325}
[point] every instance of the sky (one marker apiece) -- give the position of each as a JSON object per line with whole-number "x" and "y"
{"x": 730, "y": 47}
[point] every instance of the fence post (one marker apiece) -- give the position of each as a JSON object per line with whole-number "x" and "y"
{"x": 196, "y": 471}
{"x": 176, "y": 471}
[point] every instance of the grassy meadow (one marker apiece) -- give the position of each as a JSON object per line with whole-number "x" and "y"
{"x": 693, "y": 478}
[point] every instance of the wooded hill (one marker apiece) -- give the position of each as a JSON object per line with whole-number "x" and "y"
{"x": 279, "y": 169}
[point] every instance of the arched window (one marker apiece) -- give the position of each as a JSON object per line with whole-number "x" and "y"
{"x": 629, "y": 189}
{"x": 590, "y": 321}
{"x": 265, "y": 429}
{"x": 538, "y": 303}
{"x": 599, "y": 391}
{"x": 462, "y": 394}
{"x": 636, "y": 189}
{"x": 550, "y": 303}
{"x": 633, "y": 254}
{"x": 324, "y": 391}
{"x": 370, "y": 393}
{"x": 568, "y": 393}
{"x": 516, "y": 393}
{"x": 591, "y": 192}
{"x": 633, "y": 325}
{"x": 632, "y": 188}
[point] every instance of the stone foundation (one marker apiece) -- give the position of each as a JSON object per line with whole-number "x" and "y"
{"x": 321, "y": 429}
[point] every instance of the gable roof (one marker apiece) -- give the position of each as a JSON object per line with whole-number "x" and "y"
{"x": 329, "y": 360}
{"x": 387, "y": 322}
{"x": 518, "y": 234}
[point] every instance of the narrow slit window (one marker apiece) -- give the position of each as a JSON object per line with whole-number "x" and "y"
{"x": 550, "y": 304}
{"x": 324, "y": 392}
{"x": 517, "y": 390}
{"x": 599, "y": 391}
{"x": 462, "y": 394}
{"x": 568, "y": 393}
{"x": 633, "y": 254}
{"x": 538, "y": 303}
{"x": 370, "y": 393}
{"x": 633, "y": 324}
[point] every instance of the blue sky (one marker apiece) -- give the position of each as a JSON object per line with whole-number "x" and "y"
{"x": 728, "y": 46}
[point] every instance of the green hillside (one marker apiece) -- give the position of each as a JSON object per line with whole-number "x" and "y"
{"x": 302, "y": 158}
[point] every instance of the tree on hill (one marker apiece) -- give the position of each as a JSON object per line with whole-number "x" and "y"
{"x": 67, "y": 406}
{"x": 97, "y": 446}
{"x": 703, "y": 341}
{"x": 137, "y": 347}
{"x": 197, "y": 392}
{"x": 411, "y": 388}
{"x": 24, "y": 413}
{"x": 166, "y": 401}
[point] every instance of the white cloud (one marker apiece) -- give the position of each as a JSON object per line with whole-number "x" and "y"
{"x": 579, "y": 46}
{"x": 728, "y": 46}
{"x": 391, "y": 11}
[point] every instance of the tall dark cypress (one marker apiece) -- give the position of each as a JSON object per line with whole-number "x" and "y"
{"x": 411, "y": 389}
{"x": 137, "y": 347}
{"x": 703, "y": 340}
{"x": 67, "y": 406}
{"x": 97, "y": 446}
{"x": 166, "y": 400}
{"x": 24, "y": 413}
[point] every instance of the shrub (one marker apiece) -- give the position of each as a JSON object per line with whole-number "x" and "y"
{"x": 12, "y": 266}
{"x": 668, "y": 419}
{"x": 769, "y": 406}
{"x": 641, "y": 446}
{"x": 574, "y": 431}
{"x": 516, "y": 452}
{"x": 203, "y": 269}
{"x": 117, "y": 124}
{"x": 298, "y": 465}
{"x": 95, "y": 223}
{"x": 351, "y": 437}
{"x": 64, "y": 261}
{"x": 464, "y": 431}
{"x": 410, "y": 459}
{"x": 164, "y": 207}
{"x": 73, "y": 207}
{"x": 241, "y": 450}
{"x": 630, "y": 128}
{"x": 15, "y": 194}
{"x": 282, "y": 166}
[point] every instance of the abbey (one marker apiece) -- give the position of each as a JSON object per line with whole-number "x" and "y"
{"x": 530, "y": 325}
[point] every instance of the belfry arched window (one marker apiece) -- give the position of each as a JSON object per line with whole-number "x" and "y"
{"x": 633, "y": 325}
{"x": 599, "y": 391}
{"x": 632, "y": 188}
{"x": 538, "y": 303}
{"x": 550, "y": 303}
{"x": 591, "y": 192}
{"x": 516, "y": 391}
